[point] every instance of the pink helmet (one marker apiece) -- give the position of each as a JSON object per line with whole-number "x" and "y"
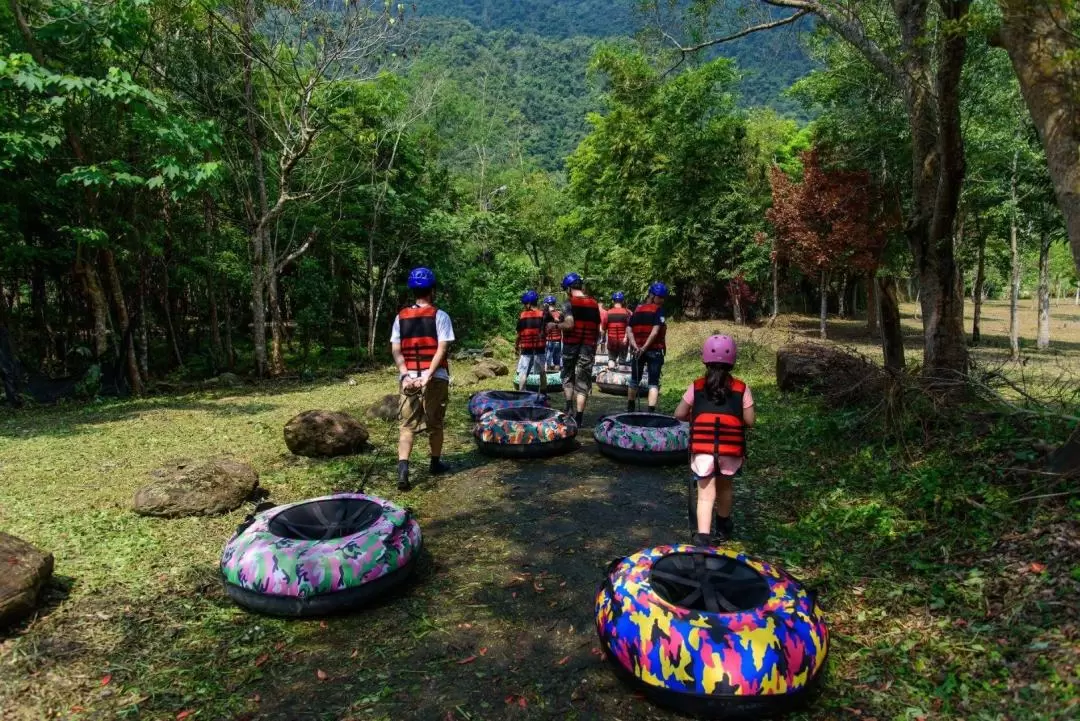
{"x": 719, "y": 349}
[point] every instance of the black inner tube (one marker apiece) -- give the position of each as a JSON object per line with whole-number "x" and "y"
{"x": 525, "y": 413}
{"x": 647, "y": 420}
{"x": 704, "y": 582}
{"x": 325, "y": 519}
{"x": 509, "y": 395}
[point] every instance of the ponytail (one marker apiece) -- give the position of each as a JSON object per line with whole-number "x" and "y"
{"x": 717, "y": 381}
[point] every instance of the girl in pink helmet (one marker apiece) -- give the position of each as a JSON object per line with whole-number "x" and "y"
{"x": 719, "y": 408}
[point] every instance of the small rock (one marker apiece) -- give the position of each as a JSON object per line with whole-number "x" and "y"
{"x": 482, "y": 372}
{"x": 497, "y": 368}
{"x": 186, "y": 488}
{"x": 387, "y": 408}
{"x": 324, "y": 434}
{"x": 351, "y": 382}
{"x": 230, "y": 380}
{"x": 25, "y": 570}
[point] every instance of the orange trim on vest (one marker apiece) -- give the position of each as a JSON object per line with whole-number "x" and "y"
{"x": 647, "y": 316}
{"x": 586, "y": 330}
{"x": 530, "y": 331}
{"x": 717, "y": 429}
{"x": 419, "y": 337}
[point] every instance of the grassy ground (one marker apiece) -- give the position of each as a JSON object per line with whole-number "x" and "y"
{"x": 950, "y": 588}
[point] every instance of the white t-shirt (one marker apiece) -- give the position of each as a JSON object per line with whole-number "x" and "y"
{"x": 443, "y": 328}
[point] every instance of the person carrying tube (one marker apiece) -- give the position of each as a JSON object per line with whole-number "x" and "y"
{"x": 554, "y": 334}
{"x": 581, "y": 331}
{"x": 420, "y": 341}
{"x": 531, "y": 343}
{"x": 618, "y": 319}
{"x": 719, "y": 408}
{"x": 648, "y": 332}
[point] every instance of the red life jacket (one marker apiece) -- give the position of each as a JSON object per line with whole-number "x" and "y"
{"x": 419, "y": 337}
{"x": 718, "y": 429}
{"x": 530, "y": 331}
{"x": 555, "y": 335}
{"x": 586, "y": 330}
{"x": 645, "y": 317}
{"x": 617, "y": 318}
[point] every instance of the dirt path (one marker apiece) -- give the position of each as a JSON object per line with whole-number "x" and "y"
{"x": 499, "y": 623}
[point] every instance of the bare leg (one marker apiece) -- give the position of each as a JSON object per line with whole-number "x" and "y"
{"x": 706, "y": 497}
{"x": 725, "y": 496}
{"x": 654, "y": 396}
{"x": 581, "y": 399}
{"x": 405, "y": 444}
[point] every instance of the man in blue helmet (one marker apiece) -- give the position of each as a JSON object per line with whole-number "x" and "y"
{"x": 581, "y": 331}
{"x": 420, "y": 341}
{"x": 648, "y": 332}
{"x": 554, "y": 334}
{"x": 530, "y": 341}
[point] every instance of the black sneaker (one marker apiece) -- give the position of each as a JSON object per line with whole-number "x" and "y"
{"x": 701, "y": 539}
{"x": 438, "y": 467}
{"x": 403, "y": 476}
{"x": 725, "y": 528}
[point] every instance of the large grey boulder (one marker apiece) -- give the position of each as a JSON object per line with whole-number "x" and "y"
{"x": 25, "y": 570}
{"x": 321, "y": 434}
{"x": 187, "y": 488}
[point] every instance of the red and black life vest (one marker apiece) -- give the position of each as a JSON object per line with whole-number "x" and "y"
{"x": 555, "y": 334}
{"x": 717, "y": 429}
{"x": 617, "y": 318}
{"x": 419, "y": 337}
{"x": 530, "y": 331}
{"x": 646, "y": 316}
{"x": 586, "y": 330}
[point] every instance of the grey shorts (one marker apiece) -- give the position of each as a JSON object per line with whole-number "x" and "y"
{"x": 577, "y": 367}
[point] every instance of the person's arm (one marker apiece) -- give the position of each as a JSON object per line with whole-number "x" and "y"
{"x": 652, "y": 337}
{"x": 748, "y": 415}
{"x": 440, "y": 354}
{"x": 682, "y": 412}
{"x": 399, "y": 358}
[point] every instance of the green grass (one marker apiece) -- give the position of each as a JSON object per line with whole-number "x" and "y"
{"x": 946, "y": 597}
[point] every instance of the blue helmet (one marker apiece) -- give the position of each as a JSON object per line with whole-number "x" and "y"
{"x": 421, "y": 279}
{"x": 658, "y": 289}
{"x": 549, "y": 300}
{"x": 570, "y": 280}
{"x": 529, "y": 296}
{"x": 618, "y": 296}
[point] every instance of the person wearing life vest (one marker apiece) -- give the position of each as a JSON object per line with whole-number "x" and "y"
{"x": 719, "y": 408}
{"x": 420, "y": 341}
{"x": 554, "y": 334}
{"x": 601, "y": 347}
{"x": 618, "y": 320}
{"x": 648, "y": 332}
{"x": 581, "y": 331}
{"x": 531, "y": 341}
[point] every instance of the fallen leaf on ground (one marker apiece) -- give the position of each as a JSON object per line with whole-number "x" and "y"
{"x": 106, "y": 679}
{"x": 483, "y": 651}
{"x": 262, "y": 659}
{"x": 1037, "y": 567}
{"x": 183, "y": 715}
{"x": 467, "y": 659}
{"x": 322, "y": 624}
{"x": 322, "y": 676}
{"x": 355, "y": 653}
{"x": 562, "y": 661}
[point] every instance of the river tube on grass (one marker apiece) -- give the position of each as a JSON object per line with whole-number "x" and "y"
{"x": 711, "y": 632}
{"x": 651, "y": 439}
{"x": 525, "y": 432}
{"x": 486, "y": 401}
{"x": 321, "y": 556}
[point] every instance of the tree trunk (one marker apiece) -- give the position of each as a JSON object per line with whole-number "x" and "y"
{"x": 977, "y": 292}
{"x": 230, "y": 354}
{"x": 871, "y": 304}
{"x": 125, "y": 329}
{"x": 775, "y": 292}
{"x": 841, "y": 298}
{"x": 892, "y": 335}
{"x": 144, "y": 323}
{"x": 170, "y": 327}
{"x": 1042, "y": 44}
{"x": 98, "y": 304}
{"x": 933, "y": 100}
{"x": 1044, "y": 291}
{"x": 1014, "y": 270}
{"x": 215, "y": 322}
{"x": 277, "y": 326}
{"x": 824, "y": 305}
{"x": 257, "y": 215}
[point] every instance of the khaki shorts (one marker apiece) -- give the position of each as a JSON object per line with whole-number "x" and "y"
{"x": 424, "y": 411}
{"x": 577, "y": 368}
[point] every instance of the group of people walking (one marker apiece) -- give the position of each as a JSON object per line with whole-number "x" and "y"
{"x": 718, "y": 406}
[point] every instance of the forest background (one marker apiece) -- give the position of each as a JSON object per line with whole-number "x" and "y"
{"x": 191, "y": 188}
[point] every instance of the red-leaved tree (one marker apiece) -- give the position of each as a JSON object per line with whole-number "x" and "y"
{"x": 829, "y": 223}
